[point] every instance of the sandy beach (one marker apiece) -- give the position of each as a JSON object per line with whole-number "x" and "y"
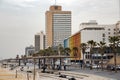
{"x": 6, "y": 74}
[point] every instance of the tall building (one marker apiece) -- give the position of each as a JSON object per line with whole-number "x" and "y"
{"x": 39, "y": 41}
{"x": 58, "y": 26}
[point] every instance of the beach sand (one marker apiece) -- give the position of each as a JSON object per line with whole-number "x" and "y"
{"x": 6, "y": 74}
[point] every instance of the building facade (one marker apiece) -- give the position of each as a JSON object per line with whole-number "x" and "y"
{"x": 90, "y": 31}
{"x": 58, "y": 26}
{"x": 39, "y": 41}
{"x": 118, "y": 28}
{"x": 109, "y": 30}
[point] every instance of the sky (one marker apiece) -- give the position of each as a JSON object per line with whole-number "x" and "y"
{"x": 20, "y": 20}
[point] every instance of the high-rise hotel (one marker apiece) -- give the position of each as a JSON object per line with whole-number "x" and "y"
{"x": 58, "y": 25}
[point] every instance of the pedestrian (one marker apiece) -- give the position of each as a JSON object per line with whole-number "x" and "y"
{"x": 22, "y": 68}
{"x": 65, "y": 67}
{"x": 81, "y": 65}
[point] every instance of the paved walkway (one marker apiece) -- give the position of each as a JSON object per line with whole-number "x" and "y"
{"x": 109, "y": 74}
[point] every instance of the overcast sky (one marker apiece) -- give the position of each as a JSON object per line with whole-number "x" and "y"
{"x": 21, "y": 19}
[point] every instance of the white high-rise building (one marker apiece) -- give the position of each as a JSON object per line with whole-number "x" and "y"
{"x": 39, "y": 41}
{"x": 92, "y": 33}
{"x": 93, "y": 28}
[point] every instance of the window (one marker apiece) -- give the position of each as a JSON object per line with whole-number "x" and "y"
{"x": 103, "y": 35}
{"x": 109, "y": 29}
{"x": 114, "y": 29}
{"x": 114, "y": 32}
{"x": 103, "y": 39}
{"x": 56, "y": 7}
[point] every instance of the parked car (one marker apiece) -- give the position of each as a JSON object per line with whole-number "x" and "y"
{"x": 112, "y": 67}
{"x": 87, "y": 65}
{"x": 95, "y": 66}
{"x": 118, "y": 67}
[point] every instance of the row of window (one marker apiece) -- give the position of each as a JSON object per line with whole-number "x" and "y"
{"x": 113, "y": 29}
{"x": 65, "y": 22}
{"x": 62, "y": 14}
{"x": 62, "y": 25}
{"x": 94, "y": 29}
{"x": 60, "y": 20}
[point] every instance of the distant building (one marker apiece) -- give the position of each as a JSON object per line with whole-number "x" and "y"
{"x": 39, "y": 41}
{"x": 58, "y": 25}
{"x": 29, "y": 51}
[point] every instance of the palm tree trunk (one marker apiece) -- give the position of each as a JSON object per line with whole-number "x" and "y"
{"x": 91, "y": 62}
{"x": 115, "y": 58}
{"x": 102, "y": 62}
{"x": 83, "y": 61}
{"x": 115, "y": 62}
{"x": 91, "y": 58}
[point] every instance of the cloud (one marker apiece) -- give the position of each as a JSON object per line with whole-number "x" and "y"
{"x": 17, "y": 4}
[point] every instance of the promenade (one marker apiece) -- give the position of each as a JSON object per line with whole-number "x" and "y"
{"x": 107, "y": 74}
{"x": 77, "y": 73}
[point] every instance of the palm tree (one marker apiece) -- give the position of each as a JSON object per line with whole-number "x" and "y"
{"x": 24, "y": 59}
{"x": 50, "y": 50}
{"x": 75, "y": 51}
{"x": 60, "y": 49}
{"x": 41, "y": 53}
{"x": 22, "y": 56}
{"x": 92, "y": 44}
{"x": 114, "y": 43}
{"x": 83, "y": 47}
{"x": 34, "y": 55}
{"x": 102, "y": 46}
{"x": 47, "y": 52}
{"x": 67, "y": 51}
{"x": 17, "y": 56}
{"x": 55, "y": 52}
